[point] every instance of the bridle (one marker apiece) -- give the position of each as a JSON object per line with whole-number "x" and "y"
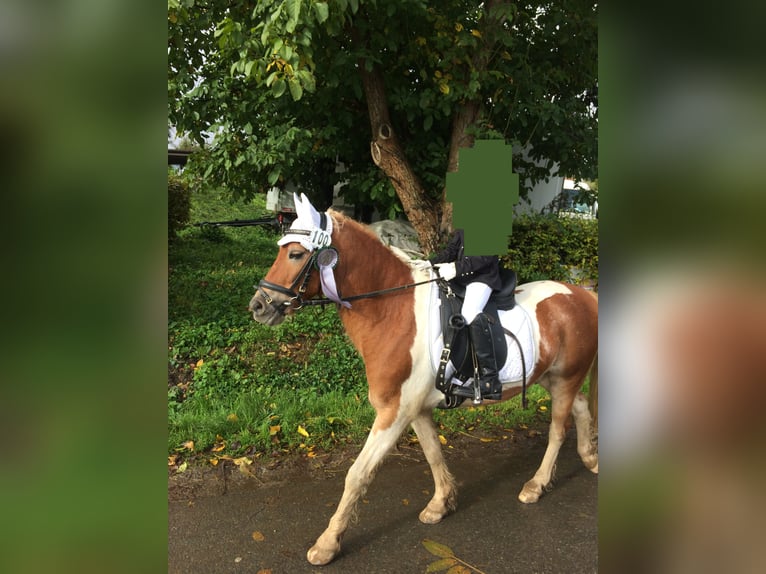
{"x": 296, "y": 301}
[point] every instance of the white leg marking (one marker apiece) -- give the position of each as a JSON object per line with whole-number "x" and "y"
{"x": 358, "y": 478}
{"x": 445, "y": 493}
{"x": 585, "y": 446}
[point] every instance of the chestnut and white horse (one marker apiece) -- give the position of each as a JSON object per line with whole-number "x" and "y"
{"x": 390, "y": 333}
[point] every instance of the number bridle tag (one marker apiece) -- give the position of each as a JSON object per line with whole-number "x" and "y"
{"x": 320, "y": 238}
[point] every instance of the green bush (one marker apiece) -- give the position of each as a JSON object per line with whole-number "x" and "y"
{"x": 551, "y": 247}
{"x": 179, "y": 204}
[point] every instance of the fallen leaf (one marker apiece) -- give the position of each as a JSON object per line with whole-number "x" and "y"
{"x": 405, "y": 501}
{"x": 238, "y": 559}
{"x": 437, "y": 549}
{"x": 264, "y": 571}
{"x": 258, "y": 536}
{"x": 219, "y": 447}
{"x": 442, "y": 439}
{"x": 199, "y": 364}
{"x": 487, "y": 439}
{"x": 232, "y": 418}
{"x": 182, "y": 467}
{"x": 303, "y": 432}
{"x": 274, "y": 430}
{"x": 214, "y": 461}
{"x": 172, "y": 459}
{"x": 440, "y": 565}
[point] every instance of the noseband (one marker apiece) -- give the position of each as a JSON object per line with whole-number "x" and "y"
{"x": 295, "y": 302}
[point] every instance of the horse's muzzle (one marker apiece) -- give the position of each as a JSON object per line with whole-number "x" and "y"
{"x": 266, "y": 312}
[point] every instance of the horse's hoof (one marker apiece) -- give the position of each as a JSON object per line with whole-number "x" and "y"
{"x": 320, "y": 556}
{"x": 591, "y": 463}
{"x": 530, "y": 493}
{"x": 431, "y": 516}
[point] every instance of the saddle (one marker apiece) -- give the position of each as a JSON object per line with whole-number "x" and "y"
{"x": 457, "y": 346}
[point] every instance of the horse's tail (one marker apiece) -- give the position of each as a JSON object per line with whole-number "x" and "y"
{"x": 593, "y": 395}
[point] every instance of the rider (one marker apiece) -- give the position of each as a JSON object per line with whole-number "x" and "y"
{"x": 480, "y": 275}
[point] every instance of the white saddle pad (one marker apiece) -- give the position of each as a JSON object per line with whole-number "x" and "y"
{"x": 516, "y": 320}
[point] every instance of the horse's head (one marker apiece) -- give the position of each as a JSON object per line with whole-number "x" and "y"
{"x": 291, "y": 280}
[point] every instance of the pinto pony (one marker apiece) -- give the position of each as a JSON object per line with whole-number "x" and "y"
{"x": 389, "y": 330}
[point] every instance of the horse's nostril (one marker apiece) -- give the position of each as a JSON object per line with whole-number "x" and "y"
{"x": 256, "y": 306}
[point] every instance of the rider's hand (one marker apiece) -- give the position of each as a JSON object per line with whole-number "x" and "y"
{"x": 446, "y": 270}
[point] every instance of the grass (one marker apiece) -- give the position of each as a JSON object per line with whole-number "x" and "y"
{"x": 239, "y": 388}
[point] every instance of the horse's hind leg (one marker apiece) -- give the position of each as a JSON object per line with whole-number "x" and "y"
{"x": 562, "y": 397}
{"x": 379, "y": 442}
{"x": 585, "y": 446}
{"x": 445, "y": 493}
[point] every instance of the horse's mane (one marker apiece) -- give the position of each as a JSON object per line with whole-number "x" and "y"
{"x": 340, "y": 219}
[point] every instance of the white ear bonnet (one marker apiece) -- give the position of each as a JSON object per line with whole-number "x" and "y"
{"x": 313, "y": 230}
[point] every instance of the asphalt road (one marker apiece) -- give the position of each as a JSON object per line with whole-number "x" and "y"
{"x": 221, "y": 521}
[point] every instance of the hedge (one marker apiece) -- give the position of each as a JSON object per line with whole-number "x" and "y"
{"x": 179, "y": 204}
{"x": 552, "y": 247}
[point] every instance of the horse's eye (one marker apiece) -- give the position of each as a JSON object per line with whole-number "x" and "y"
{"x": 296, "y": 255}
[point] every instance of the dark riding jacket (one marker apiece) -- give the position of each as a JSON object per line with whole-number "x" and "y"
{"x": 469, "y": 268}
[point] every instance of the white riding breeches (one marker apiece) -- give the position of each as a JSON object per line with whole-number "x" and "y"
{"x": 476, "y": 297}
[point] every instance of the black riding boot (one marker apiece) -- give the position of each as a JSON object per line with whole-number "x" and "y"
{"x": 490, "y": 386}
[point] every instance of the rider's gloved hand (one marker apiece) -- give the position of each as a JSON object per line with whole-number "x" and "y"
{"x": 446, "y": 270}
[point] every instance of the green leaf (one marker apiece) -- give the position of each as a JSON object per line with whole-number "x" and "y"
{"x": 437, "y": 549}
{"x": 322, "y": 11}
{"x": 440, "y": 565}
{"x": 278, "y": 88}
{"x": 293, "y": 13}
{"x": 428, "y": 122}
{"x": 296, "y": 91}
{"x": 273, "y": 176}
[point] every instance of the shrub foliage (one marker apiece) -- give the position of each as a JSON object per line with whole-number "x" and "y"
{"x": 552, "y": 247}
{"x": 179, "y": 204}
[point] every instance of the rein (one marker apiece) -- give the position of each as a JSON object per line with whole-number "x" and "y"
{"x": 296, "y": 301}
{"x": 372, "y": 294}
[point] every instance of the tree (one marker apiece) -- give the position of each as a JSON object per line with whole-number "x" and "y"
{"x": 290, "y": 86}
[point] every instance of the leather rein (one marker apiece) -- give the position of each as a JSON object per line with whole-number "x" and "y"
{"x": 296, "y": 301}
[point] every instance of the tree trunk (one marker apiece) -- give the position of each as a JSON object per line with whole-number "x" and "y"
{"x": 466, "y": 117}
{"x": 423, "y": 212}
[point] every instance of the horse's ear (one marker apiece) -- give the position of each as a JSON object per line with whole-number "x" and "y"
{"x": 303, "y": 208}
{"x": 310, "y": 211}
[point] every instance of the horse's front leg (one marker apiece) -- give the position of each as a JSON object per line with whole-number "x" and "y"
{"x": 380, "y": 441}
{"x": 444, "y": 499}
